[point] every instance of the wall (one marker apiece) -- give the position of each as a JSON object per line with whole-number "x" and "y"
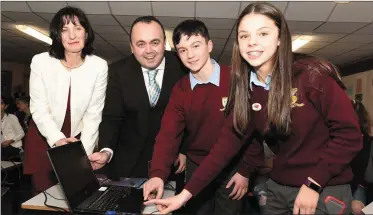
{"x": 366, "y": 79}
{"x": 20, "y": 75}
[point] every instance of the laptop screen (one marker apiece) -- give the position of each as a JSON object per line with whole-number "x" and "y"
{"x": 74, "y": 172}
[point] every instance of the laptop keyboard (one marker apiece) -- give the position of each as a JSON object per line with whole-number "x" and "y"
{"x": 108, "y": 201}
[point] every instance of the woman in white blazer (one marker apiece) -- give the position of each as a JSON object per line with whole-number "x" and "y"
{"x": 11, "y": 133}
{"x": 67, "y": 90}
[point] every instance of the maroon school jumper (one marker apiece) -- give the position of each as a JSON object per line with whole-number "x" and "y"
{"x": 36, "y": 160}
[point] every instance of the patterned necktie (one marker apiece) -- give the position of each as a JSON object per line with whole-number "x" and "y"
{"x": 154, "y": 89}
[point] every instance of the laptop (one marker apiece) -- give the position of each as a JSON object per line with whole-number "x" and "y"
{"x": 82, "y": 189}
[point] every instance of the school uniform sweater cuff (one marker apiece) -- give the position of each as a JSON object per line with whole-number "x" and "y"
{"x": 321, "y": 175}
{"x": 158, "y": 173}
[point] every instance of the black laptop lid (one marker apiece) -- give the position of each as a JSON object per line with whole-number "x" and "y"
{"x": 74, "y": 172}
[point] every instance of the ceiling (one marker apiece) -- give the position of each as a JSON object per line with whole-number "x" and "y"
{"x": 342, "y": 33}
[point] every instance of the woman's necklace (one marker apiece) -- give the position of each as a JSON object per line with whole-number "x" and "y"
{"x": 71, "y": 67}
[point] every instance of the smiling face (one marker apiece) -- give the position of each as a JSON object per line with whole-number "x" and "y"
{"x": 73, "y": 36}
{"x": 194, "y": 51}
{"x": 148, "y": 44}
{"x": 258, "y": 40}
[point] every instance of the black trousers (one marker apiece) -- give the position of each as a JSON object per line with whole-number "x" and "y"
{"x": 214, "y": 199}
{"x": 280, "y": 198}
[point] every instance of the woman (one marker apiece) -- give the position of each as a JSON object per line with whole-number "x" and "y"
{"x": 67, "y": 90}
{"x": 299, "y": 108}
{"x": 11, "y": 133}
{"x": 362, "y": 164}
{"x": 24, "y": 114}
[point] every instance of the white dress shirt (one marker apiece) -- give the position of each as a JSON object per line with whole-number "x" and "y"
{"x": 50, "y": 82}
{"x": 158, "y": 78}
{"x": 12, "y": 130}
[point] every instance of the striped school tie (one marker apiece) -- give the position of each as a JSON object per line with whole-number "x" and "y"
{"x": 154, "y": 89}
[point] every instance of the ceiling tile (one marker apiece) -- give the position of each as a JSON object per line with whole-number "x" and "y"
{"x": 24, "y": 17}
{"x": 115, "y": 37}
{"x": 220, "y": 9}
{"x": 5, "y": 19}
{"x": 46, "y": 6}
{"x": 342, "y": 47}
{"x": 126, "y": 20}
{"x": 91, "y": 7}
{"x": 325, "y": 37}
{"x": 102, "y": 19}
{"x": 360, "y": 38}
{"x": 98, "y": 37}
{"x": 342, "y": 12}
{"x": 309, "y": 11}
{"x": 131, "y": 8}
{"x": 368, "y": 29}
{"x": 326, "y": 53}
{"x": 17, "y": 6}
{"x": 366, "y": 47}
{"x": 171, "y": 22}
{"x": 314, "y": 45}
{"x": 302, "y": 25}
{"x": 281, "y": 5}
{"x": 339, "y": 27}
{"x": 6, "y": 34}
{"x": 219, "y": 42}
{"x": 46, "y": 16}
{"x": 178, "y": 9}
{"x": 8, "y": 25}
{"x": 219, "y": 33}
{"x": 107, "y": 29}
{"x": 212, "y": 23}
{"x": 122, "y": 46}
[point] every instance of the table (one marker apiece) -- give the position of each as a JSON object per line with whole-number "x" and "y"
{"x": 368, "y": 209}
{"x": 37, "y": 202}
{"x": 9, "y": 164}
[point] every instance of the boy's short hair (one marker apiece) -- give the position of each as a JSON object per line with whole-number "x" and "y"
{"x": 190, "y": 27}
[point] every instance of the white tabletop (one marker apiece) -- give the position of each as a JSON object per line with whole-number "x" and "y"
{"x": 8, "y": 164}
{"x": 368, "y": 209}
{"x": 37, "y": 202}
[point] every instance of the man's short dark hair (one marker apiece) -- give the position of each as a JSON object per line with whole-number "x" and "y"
{"x": 148, "y": 20}
{"x": 65, "y": 16}
{"x": 190, "y": 27}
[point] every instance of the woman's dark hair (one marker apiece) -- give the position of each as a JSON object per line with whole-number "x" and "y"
{"x": 363, "y": 116}
{"x": 190, "y": 27}
{"x": 279, "y": 99}
{"x": 9, "y": 102}
{"x": 63, "y": 17}
{"x": 24, "y": 99}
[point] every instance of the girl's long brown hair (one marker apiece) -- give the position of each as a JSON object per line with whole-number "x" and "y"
{"x": 279, "y": 100}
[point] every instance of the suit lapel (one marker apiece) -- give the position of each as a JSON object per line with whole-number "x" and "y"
{"x": 137, "y": 81}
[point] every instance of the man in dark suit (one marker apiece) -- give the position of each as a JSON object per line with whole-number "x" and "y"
{"x": 138, "y": 91}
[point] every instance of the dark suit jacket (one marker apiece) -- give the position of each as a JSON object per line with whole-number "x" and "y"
{"x": 129, "y": 125}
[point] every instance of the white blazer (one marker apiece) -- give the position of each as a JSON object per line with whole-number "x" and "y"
{"x": 12, "y": 130}
{"x": 49, "y": 88}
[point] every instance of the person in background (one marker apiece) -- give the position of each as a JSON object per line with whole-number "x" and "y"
{"x": 67, "y": 90}
{"x": 197, "y": 106}
{"x": 299, "y": 108}
{"x": 138, "y": 91}
{"x": 362, "y": 164}
{"x": 24, "y": 114}
{"x": 11, "y": 133}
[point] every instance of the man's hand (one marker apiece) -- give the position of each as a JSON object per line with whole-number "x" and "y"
{"x": 99, "y": 159}
{"x": 181, "y": 161}
{"x": 241, "y": 185}
{"x": 166, "y": 206}
{"x": 154, "y": 184}
{"x": 6, "y": 143}
{"x": 306, "y": 201}
{"x": 66, "y": 141}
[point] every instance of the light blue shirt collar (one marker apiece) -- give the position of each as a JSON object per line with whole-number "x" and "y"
{"x": 214, "y": 78}
{"x": 254, "y": 80}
